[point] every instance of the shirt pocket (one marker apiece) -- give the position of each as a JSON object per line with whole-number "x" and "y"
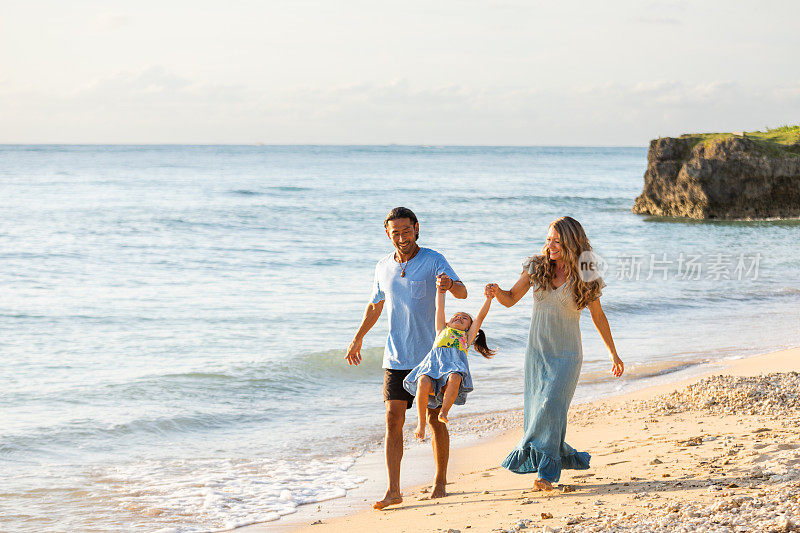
{"x": 418, "y": 289}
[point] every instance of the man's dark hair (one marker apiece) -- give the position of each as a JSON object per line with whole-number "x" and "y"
{"x": 401, "y": 212}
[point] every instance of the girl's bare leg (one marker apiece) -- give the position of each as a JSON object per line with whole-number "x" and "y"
{"x": 424, "y": 389}
{"x": 450, "y": 395}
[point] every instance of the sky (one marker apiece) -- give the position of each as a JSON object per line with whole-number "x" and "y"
{"x": 414, "y": 72}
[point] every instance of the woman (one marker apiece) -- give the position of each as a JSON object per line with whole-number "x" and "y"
{"x": 554, "y": 354}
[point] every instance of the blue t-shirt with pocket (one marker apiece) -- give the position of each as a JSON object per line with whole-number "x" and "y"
{"x": 411, "y": 303}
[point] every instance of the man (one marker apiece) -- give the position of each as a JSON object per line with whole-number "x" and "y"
{"x": 406, "y": 280}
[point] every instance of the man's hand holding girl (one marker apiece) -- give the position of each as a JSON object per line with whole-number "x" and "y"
{"x": 444, "y": 283}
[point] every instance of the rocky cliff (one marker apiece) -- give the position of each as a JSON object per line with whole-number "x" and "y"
{"x": 724, "y": 176}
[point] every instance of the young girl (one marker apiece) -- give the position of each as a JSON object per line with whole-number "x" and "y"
{"x": 443, "y": 378}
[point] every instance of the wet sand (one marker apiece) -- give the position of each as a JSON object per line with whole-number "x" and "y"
{"x": 715, "y": 453}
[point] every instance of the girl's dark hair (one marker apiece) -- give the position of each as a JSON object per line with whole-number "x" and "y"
{"x": 481, "y": 347}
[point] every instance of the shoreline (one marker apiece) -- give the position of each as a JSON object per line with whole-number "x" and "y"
{"x": 474, "y": 461}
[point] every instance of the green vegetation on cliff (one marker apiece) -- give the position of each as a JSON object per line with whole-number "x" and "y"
{"x": 775, "y": 142}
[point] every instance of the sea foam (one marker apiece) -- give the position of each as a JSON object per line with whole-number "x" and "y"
{"x": 206, "y": 494}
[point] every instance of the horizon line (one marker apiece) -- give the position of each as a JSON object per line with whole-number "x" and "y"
{"x": 414, "y": 145}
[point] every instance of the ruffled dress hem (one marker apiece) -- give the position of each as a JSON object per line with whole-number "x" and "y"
{"x": 529, "y": 460}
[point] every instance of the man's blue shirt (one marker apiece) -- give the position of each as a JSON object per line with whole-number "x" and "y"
{"x": 411, "y": 302}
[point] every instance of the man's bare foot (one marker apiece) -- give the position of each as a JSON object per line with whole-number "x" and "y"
{"x": 443, "y": 417}
{"x": 420, "y": 431}
{"x": 439, "y": 491}
{"x": 542, "y": 484}
{"x": 389, "y": 499}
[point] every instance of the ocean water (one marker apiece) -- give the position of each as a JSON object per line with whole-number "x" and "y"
{"x": 173, "y": 319}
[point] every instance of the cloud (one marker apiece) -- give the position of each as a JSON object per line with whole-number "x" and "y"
{"x": 661, "y": 13}
{"x": 660, "y": 20}
{"x": 788, "y": 92}
{"x": 667, "y": 93}
{"x": 153, "y": 104}
{"x": 400, "y": 94}
{"x": 687, "y": 95}
{"x": 153, "y": 85}
{"x": 670, "y": 6}
{"x": 111, "y": 21}
{"x": 147, "y": 80}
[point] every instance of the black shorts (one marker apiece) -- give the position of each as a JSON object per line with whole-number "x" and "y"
{"x": 393, "y": 386}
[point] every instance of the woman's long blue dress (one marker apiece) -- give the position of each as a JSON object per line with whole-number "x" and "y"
{"x": 553, "y": 361}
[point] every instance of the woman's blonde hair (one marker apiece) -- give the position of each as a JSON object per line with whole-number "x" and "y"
{"x": 573, "y": 243}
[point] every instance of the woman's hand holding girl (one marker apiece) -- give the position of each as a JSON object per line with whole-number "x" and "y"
{"x": 490, "y": 290}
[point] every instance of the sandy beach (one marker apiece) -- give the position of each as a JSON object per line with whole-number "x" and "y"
{"x": 717, "y": 452}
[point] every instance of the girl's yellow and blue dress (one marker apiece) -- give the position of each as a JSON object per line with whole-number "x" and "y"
{"x": 448, "y": 356}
